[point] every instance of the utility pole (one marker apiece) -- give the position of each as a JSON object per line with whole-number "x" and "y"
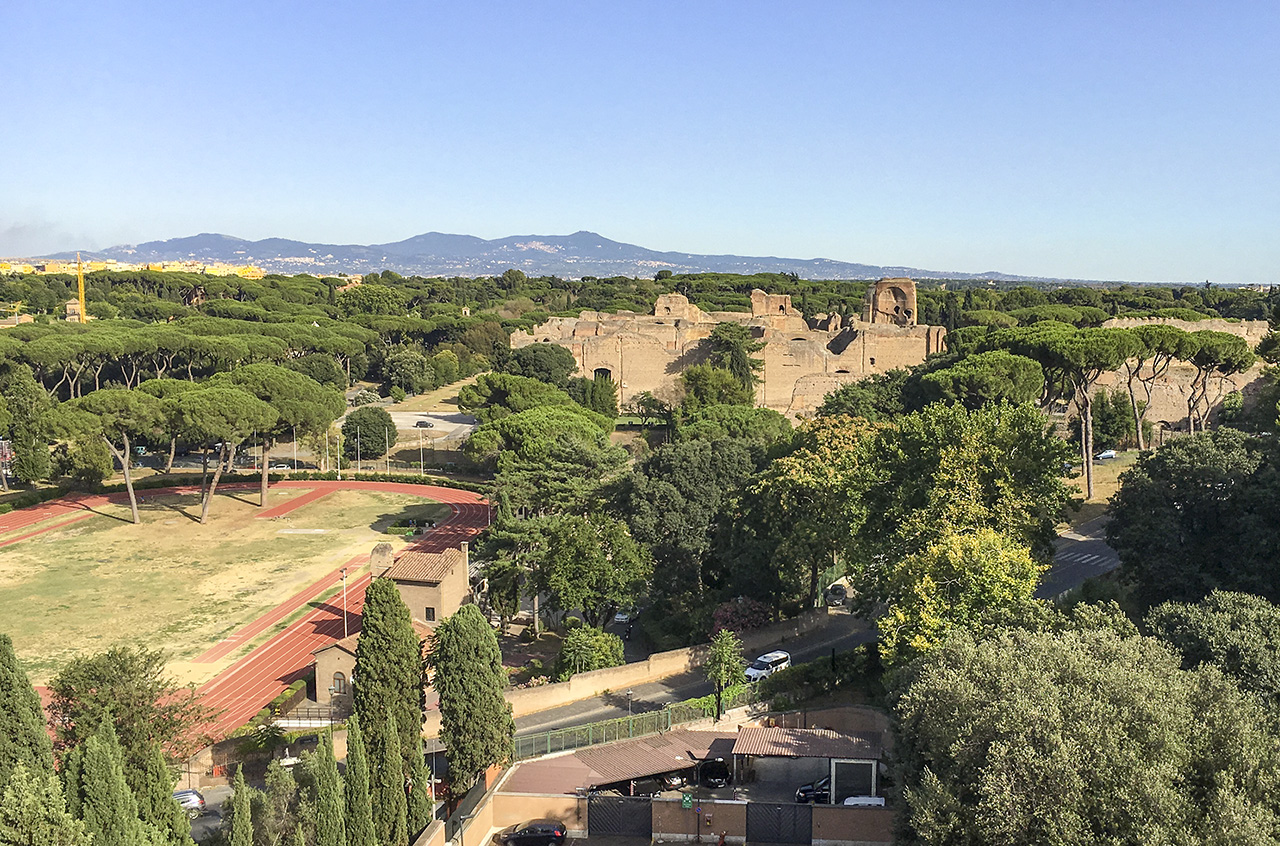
{"x": 422, "y": 467}
{"x": 345, "y": 633}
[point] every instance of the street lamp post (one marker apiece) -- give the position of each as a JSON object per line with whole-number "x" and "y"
{"x": 344, "y": 603}
{"x": 630, "y": 693}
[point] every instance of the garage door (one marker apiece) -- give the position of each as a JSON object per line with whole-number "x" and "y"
{"x": 769, "y": 823}
{"x": 620, "y": 816}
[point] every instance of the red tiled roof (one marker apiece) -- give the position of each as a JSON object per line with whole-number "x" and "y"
{"x": 805, "y": 743}
{"x": 425, "y": 566}
{"x": 349, "y": 642}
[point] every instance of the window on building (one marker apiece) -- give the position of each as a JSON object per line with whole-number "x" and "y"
{"x": 339, "y": 684}
{"x": 429, "y": 615}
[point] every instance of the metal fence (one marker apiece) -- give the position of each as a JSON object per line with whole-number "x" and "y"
{"x": 623, "y": 728}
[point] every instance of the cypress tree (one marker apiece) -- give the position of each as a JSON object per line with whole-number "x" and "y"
{"x": 359, "y": 816}
{"x": 107, "y": 806}
{"x": 32, "y": 812}
{"x": 389, "y": 670}
{"x": 156, "y": 805}
{"x": 23, "y": 739}
{"x": 419, "y": 799}
{"x": 241, "y": 812}
{"x": 330, "y": 828}
{"x": 475, "y": 719}
{"x": 299, "y": 839}
{"x": 390, "y": 809}
{"x": 72, "y": 773}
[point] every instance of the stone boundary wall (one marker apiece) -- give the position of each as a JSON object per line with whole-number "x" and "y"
{"x": 1251, "y": 330}
{"x": 656, "y": 667}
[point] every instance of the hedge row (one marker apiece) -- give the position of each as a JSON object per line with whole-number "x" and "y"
{"x": 170, "y": 481}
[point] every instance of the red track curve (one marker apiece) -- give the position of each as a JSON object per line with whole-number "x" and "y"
{"x": 246, "y": 686}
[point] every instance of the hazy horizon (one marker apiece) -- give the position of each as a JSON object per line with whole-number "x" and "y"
{"x": 1081, "y": 140}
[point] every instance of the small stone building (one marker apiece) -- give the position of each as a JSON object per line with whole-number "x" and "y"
{"x": 432, "y": 584}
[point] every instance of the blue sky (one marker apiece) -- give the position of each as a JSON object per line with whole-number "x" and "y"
{"x": 1105, "y": 140}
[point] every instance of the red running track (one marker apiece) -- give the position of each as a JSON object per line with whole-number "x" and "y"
{"x": 246, "y": 686}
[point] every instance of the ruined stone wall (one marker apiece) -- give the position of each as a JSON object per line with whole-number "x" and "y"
{"x": 1251, "y": 330}
{"x": 649, "y": 352}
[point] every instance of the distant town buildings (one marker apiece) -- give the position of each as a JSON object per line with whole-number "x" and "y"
{"x": 21, "y": 266}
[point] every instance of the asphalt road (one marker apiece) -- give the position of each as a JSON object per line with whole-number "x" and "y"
{"x": 844, "y": 632}
{"x": 1081, "y": 554}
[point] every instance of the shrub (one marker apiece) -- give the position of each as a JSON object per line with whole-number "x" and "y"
{"x": 587, "y": 649}
{"x": 364, "y": 398}
{"x": 739, "y": 615}
{"x": 814, "y": 678}
{"x": 397, "y": 393}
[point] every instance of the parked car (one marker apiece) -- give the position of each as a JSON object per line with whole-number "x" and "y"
{"x": 654, "y": 784}
{"x": 623, "y": 617}
{"x": 192, "y": 802}
{"x": 815, "y": 792}
{"x": 768, "y": 664}
{"x": 715, "y": 774}
{"x": 532, "y": 833}
{"x": 837, "y": 594}
{"x": 424, "y": 424}
{"x": 281, "y": 467}
{"x": 865, "y": 801}
{"x": 1105, "y": 454}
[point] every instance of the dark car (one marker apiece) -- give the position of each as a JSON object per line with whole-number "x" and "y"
{"x": 424, "y": 424}
{"x": 715, "y": 774}
{"x": 816, "y": 792}
{"x": 836, "y": 595}
{"x": 531, "y": 833}
{"x": 655, "y": 784}
{"x": 192, "y": 802}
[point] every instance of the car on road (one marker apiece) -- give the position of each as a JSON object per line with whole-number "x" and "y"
{"x": 768, "y": 664}
{"x": 624, "y": 616}
{"x": 424, "y": 424}
{"x": 192, "y": 802}
{"x": 532, "y": 833}
{"x": 815, "y": 792}
{"x": 1105, "y": 454}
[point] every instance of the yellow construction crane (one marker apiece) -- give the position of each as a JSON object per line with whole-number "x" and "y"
{"x": 80, "y": 284}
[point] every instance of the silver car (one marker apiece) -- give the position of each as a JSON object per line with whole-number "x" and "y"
{"x": 192, "y": 801}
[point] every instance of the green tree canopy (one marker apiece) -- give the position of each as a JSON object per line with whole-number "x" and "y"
{"x": 1236, "y": 632}
{"x": 731, "y": 347}
{"x": 587, "y": 648}
{"x": 390, "y": 680}
{"x": 33, "y": 812}
{"x": 1000, "y": 741}
{"x": 591, "y": 564}
{"x": 496, "y": 395}
{"x": 302, "y": 405}
{"x": 368, "y": 433}
{"x": 548, "y": 363}
{"x": 221, "y": 415}
{"x": 706, "y": 384}
{"x": 983, "y": 379}
{"x": 1188, "y": 519}
{"x": 118, "y": 417}
{"x": 23, "y": 739}
{"x": 972, "y": 581}
{"x": 475, "y": 719}
{"x": 724, "y": 665}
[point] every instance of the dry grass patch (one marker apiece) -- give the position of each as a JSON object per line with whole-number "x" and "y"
{"x": 172, "y": 584}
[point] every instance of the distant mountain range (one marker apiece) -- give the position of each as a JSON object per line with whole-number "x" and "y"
{"x": 438, "y": 254}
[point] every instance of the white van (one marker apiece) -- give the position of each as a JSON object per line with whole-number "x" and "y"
{"x": 768, "y": 664}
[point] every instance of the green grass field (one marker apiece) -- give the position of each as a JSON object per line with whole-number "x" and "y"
{"x": 172, "y": 584}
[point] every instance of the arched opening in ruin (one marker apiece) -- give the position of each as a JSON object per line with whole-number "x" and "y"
{"x": 603, "y": 373}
